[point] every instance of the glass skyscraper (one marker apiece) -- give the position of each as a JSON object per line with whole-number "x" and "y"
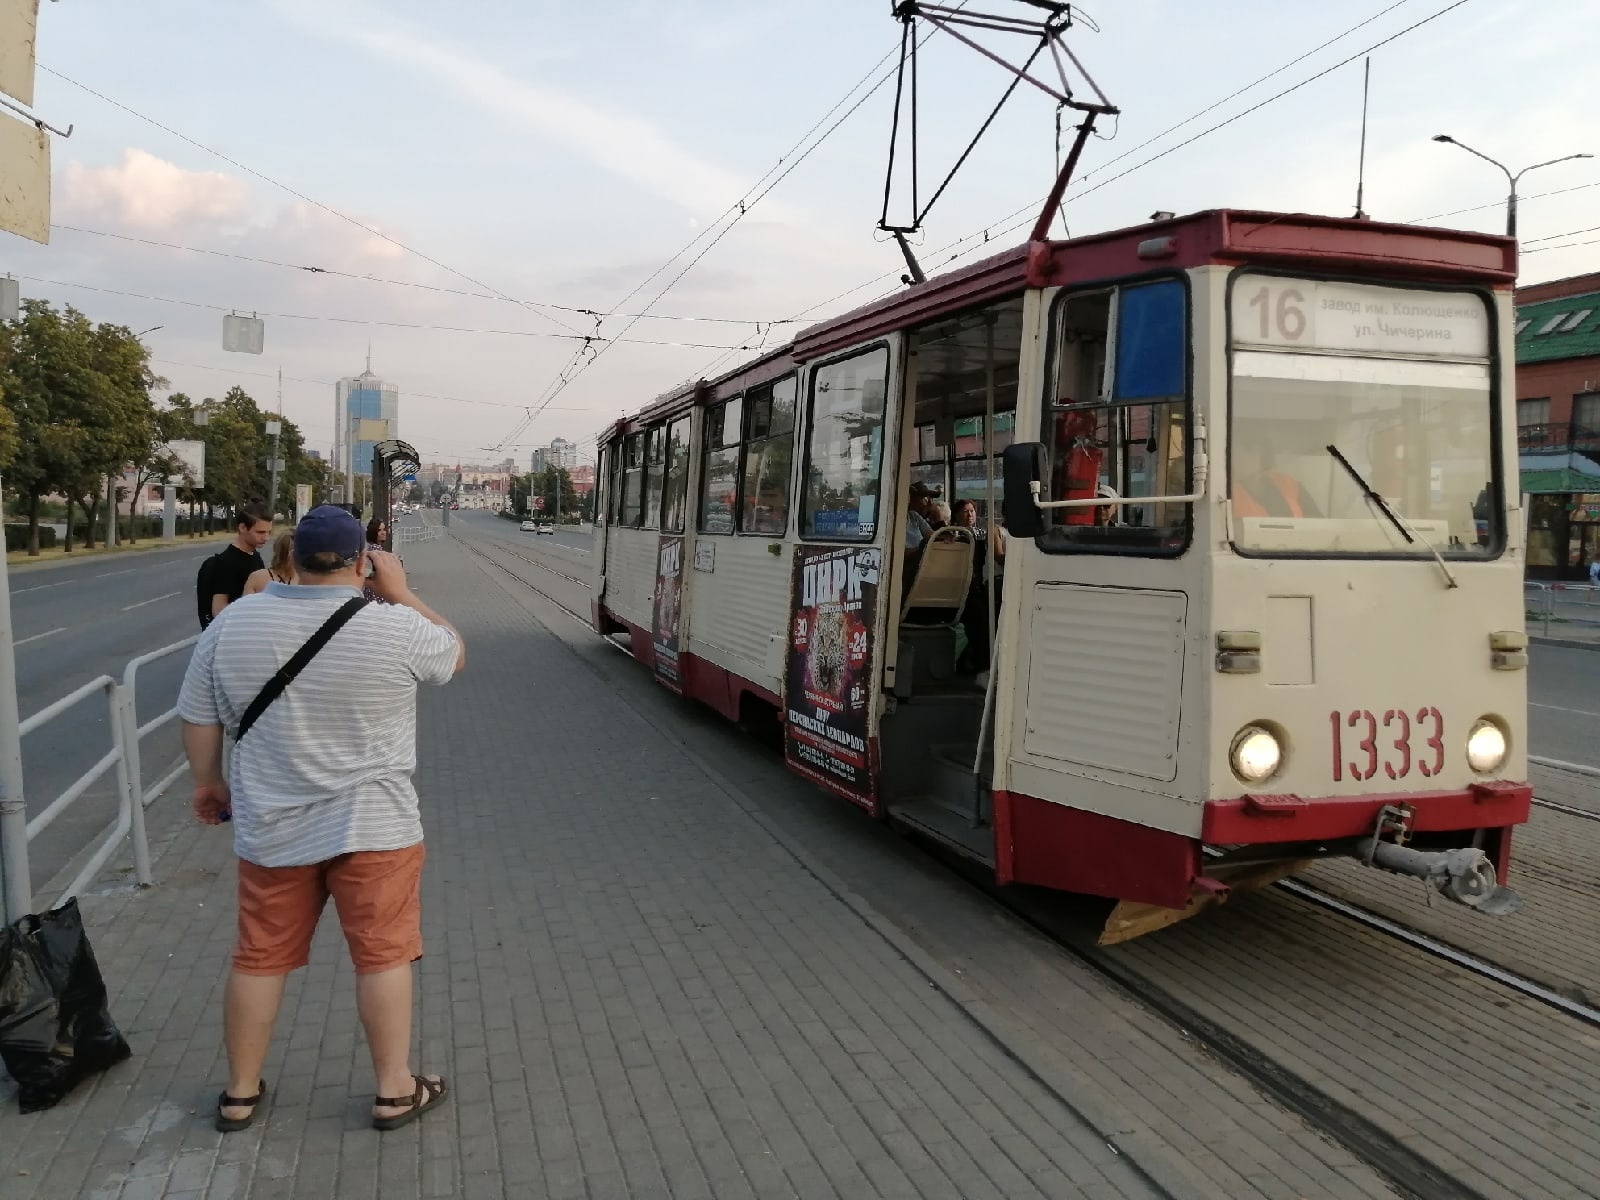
{"x": 367, "y": 411}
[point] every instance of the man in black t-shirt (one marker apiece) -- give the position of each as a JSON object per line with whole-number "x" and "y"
{"x": 224, "y": 574}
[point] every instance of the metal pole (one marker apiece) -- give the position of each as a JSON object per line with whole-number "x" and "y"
{"x": 169, "y": 513}
{"x": 272, "y": 502}
{"x": 277, "y": 428}
{"x": 111, "y": 511}
{"x": 13, "y": 806}
{"x": 1511, "y": 211}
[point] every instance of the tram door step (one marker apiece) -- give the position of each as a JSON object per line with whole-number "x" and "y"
{"x": 955, "y": 809}
{"x": 932, "y": 818}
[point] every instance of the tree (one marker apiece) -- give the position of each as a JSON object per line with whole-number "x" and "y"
{"x": 156, "y": 459}
{"x": 51, "y": 388}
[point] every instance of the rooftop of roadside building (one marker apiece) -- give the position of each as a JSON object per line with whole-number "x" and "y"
{"x": 1559, "y": 319}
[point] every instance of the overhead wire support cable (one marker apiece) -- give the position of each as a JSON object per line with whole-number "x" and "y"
{"x": 751, "y": 198}
{"x": 335, "y": 273}
{"x": 377, "y": 233}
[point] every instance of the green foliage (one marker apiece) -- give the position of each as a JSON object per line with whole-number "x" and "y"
{"x": 75, "y": 408}
{"x": 17, "y": 538}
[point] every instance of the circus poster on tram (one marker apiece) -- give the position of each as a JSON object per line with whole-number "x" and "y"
{"x": 828, "y": 689}
{"x": 669, "y": 597}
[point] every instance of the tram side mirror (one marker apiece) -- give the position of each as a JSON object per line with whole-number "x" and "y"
{"x": 1022, "y": 465}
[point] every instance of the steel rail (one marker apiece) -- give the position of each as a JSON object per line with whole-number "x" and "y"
{"x": 1444, "y": 950}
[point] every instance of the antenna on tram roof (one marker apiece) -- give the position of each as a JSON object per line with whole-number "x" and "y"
{"x": 1361, "y": 170}
{"x": 1047, "y": 33}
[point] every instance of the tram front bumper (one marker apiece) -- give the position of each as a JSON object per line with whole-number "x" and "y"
{"x": 1256, "y": 819}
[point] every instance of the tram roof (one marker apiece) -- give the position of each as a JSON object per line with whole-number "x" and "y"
{"x": 1221, "y": 236}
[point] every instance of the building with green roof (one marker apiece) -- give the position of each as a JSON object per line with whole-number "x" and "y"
{"x": 1558, "y": 423}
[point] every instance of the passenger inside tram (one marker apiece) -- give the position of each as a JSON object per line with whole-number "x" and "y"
{"x": 1262, "y": 486}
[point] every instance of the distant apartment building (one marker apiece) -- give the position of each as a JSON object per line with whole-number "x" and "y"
{"x": 560, "y": 453}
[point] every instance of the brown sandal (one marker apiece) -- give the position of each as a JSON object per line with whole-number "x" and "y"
{"x": 415, "y": 1102}
{"x": 234, "y": 1124}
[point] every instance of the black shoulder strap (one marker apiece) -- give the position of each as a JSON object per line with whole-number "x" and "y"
{"x": 285, "y": 675}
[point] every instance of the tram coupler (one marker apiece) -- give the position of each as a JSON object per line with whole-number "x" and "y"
{"x": 1464, "y": 875}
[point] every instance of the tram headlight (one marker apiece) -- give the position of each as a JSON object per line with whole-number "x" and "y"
{"x": 1256, "y": 754}
{"x": 1486, "y": 746}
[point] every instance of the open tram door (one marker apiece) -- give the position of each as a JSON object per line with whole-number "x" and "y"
{"x": 837, "y": 599}
{"x": 946, "y": 574}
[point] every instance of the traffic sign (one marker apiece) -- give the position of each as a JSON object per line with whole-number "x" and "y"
{"x": 411, "y": 477}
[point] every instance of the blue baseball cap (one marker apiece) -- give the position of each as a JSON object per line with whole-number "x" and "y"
{"x": 328, "y": 529}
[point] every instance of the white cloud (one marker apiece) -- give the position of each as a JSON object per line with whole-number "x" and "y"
{"x": 148, "y": 193}
{"x": 627, "y": 146}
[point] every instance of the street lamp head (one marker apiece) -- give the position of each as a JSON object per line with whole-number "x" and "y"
{"x": 1443, "y": 137}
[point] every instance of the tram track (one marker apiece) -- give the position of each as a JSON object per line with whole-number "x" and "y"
{"x": 1428, "y": 944}
{"x": 1408, "y": 1170}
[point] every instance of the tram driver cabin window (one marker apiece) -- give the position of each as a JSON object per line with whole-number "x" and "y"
{"x": 1118, "y": 426}
{"x": 844, "y": 454}
{"x": 748, "y": 459}
{"x": 1343, "y": 390}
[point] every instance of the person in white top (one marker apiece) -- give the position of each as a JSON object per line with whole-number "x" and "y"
{"x": 319, "y": 793}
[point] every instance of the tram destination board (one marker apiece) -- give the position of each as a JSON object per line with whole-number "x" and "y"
{"x": 827, "y": 686}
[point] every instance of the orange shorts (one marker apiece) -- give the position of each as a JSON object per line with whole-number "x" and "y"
{"x": 377, "y": 894}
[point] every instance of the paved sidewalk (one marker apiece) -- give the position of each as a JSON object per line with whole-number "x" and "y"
{"x": 633, "y": 989}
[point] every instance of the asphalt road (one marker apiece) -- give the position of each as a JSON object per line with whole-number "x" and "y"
{"x": 1564, "y": 704}
{"x": 488, "y": 522}
{"x": 75, "y": 621}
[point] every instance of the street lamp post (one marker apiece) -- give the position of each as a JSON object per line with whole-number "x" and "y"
{"x": 1511, "y": 200}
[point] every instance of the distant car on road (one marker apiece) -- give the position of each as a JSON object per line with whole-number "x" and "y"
{"x": 530, "y": 526}
{"x": 546, "y": 527}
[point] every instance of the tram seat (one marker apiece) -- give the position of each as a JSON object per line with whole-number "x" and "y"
{"x": 931, "y": 608}
{"x": 944, "y": 574}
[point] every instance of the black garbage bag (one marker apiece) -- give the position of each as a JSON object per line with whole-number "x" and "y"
{"x": 55, "y": 1026}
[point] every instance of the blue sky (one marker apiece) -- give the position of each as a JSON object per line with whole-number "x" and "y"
{"x": 560, "y": 152}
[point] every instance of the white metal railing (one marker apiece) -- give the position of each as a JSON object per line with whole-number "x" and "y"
{"x": 1573, "y": 605}
{"x": 405, "y": 535}
{"x": 123, "y": 757}
{"x": 133, "y": 734}
{"x": 116, "y": 757}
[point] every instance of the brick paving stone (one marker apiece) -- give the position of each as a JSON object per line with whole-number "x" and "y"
{"x": 634, "y": 990}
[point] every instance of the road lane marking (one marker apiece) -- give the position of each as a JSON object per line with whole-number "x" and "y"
{"x": 37, "y": 636}
{"x": 109, "y": 574}
{"x": 39, "y": 587}
{"x": 1582, "y": 712}
{"x": 142, "y": 603}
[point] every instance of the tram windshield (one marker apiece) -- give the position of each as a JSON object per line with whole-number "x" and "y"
{"x": 1418, "y": 433}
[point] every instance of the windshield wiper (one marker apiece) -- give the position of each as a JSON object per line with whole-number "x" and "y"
{"x": 1395, "y": 518}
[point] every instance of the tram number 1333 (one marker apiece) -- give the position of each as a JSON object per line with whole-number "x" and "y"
{"x": 1396, "y": 742}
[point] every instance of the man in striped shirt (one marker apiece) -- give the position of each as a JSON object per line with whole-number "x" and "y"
{"x": 320, "y": 796}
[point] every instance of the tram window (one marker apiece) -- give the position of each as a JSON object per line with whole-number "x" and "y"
{"x": 768, "y": 454}
{"x": 844, "y": 454}
{"x": 1120, "y": 425}
{"x": 1323, "y": 412}
{"x": 632, "y": 479}
{"x": 655, "y": 469}
{"x": 971, "y": 480}
{"x": 719, "y": 501}
{"x": 675, "y": 495}
{"x": 1420, "y": 433}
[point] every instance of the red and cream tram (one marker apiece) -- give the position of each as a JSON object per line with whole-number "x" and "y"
{"x": 1230, "y": 577}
